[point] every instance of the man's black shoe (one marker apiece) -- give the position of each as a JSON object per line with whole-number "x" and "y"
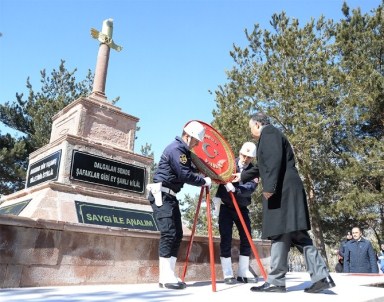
{"x": 320, "y": 285}
{"x": 269, "y": 288}
{"x": 178, "y": 285}
{"x": 183, "y": 284}
{"x": 230, "y": 280}
{"x": 247, "y": 280}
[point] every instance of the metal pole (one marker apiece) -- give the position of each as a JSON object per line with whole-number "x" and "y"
{"x": 254, "y": 250}
{"x": 192, "y": 233}
{"x": 210, "y": 237}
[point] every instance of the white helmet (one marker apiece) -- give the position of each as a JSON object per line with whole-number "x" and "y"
{"x": 248, "y": 149}
{"x": 196, "y": 130}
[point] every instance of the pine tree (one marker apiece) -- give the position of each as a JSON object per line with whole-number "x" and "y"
{"x": 322, "y": 85}
{"x": 188, "y": 208}
{"x": 147, "y": 151}
{"x": 32, "y": 119}
{"x": 360, "y": 46}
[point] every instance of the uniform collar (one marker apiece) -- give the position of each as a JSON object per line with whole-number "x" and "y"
{"x": 179, "y": 139}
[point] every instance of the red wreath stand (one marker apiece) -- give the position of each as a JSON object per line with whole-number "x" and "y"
{"x": 208, "y": 161}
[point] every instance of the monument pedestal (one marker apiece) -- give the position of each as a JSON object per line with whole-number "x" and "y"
{"x": 49, "y": 253}
{"x": 88, "y": 172}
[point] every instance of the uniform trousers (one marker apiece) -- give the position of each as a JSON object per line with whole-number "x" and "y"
{"x": 168, "y": 219}
{"x": 280, "y": 247}
{"x": 227, "y": 217}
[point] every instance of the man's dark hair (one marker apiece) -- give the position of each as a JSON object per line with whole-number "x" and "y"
{"x": 261, "y": 118}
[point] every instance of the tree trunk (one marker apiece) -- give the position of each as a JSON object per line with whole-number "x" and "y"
{"x": 315, "y": 219}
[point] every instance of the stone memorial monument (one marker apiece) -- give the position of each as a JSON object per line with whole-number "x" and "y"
{"x": 83, "y": 217}
{"x": 88, "y": 172}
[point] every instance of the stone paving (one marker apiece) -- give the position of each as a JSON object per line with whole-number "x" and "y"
{"x": 351, "y": 288}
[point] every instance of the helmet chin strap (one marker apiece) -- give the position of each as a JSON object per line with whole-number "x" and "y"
{"x": 189, "y": 142}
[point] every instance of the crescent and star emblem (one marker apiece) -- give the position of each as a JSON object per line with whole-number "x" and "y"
{"x": 210, "y": 155}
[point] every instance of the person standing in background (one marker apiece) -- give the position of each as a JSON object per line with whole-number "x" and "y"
{"x": 359, "y": 255}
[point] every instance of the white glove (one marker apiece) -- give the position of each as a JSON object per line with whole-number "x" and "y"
{"x": 208, "y": 182}
{"x": 155, "y": 189}
{"x": 229, "y": 186}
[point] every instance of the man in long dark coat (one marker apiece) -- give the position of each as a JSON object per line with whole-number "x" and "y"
{"x": 285, "y": 210}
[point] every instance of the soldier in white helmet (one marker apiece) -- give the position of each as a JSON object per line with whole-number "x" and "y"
{"x": 226, "y": 211}
{"x": 173, "y": 171}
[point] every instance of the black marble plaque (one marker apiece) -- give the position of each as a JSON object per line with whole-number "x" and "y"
{"x": 115, "y": 217}
{"x": 14, "y": 209}
{"x": 44, "y": 170}
{"x": 104, "y": 171}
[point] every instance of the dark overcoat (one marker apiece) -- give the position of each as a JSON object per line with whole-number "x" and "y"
{"x": 287, "y": 210}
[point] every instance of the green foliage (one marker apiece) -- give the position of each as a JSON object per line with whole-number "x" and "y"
{"x": 33, "y": 119}
{"x": 323, "y": 85}
{"x": 12, "y": 163}
{"x": 360, "y": 47}
{"x": 189, "y": 208}
{"x": 147, "y": 151}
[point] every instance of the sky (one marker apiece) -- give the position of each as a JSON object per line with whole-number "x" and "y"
{"x": 174, "y": 51}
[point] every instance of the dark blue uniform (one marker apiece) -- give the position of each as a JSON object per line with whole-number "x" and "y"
{"x": 228, "y": 215}
{"x": 174, "y": 170}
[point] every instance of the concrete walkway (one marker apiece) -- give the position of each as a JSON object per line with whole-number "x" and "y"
{"x": 351, "y": 288}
